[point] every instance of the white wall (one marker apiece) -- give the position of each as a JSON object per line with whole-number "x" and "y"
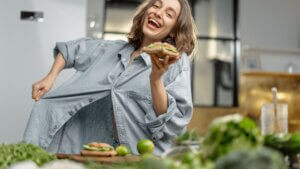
{"x": 26, "y": 54}
{"x": 270, "y": 23}
{"x": 95, "y": 17}
{"x": 270, "y": 35}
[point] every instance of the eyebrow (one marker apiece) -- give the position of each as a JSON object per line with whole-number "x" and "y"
{"x": 169, "y": 8}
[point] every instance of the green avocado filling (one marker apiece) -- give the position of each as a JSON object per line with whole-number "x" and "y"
{"x": 172, "y": 50}
{"x": 154, "y": 45}
{"x": 87, "y": 147}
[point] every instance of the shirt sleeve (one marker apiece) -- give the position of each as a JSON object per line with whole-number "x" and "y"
{"x": 179, "y": 112}
{"x": 77, "y": 53}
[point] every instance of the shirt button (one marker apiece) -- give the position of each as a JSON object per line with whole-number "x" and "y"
{"x": 154, "y": 138}
{"x": 71, "y": 113}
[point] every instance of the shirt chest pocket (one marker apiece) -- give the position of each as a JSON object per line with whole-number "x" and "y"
{"x": 139, "y": 106}
{"x": 85, "y": 58}
{"x": 82, "y": 62}
{"x": 139, "y": 109}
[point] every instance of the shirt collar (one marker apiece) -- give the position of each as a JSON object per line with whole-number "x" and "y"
{"x": 146, "y": 58}
{"x": 125, "y": 53}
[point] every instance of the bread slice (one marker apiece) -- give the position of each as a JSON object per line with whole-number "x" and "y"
{"x": 153, "y": 48}
{"x": 170, "y": 50}
{"x": 98, "y": 153}
{"x": 161, "y": 50}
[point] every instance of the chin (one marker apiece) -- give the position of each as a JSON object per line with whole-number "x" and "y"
{"x": 150, "y": 34}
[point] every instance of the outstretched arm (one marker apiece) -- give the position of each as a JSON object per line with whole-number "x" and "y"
{"x": 42, "y": 86}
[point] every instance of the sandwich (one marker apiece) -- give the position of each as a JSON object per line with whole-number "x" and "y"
{"x": 98, "y": 149}
{"x": 161, "y": 49}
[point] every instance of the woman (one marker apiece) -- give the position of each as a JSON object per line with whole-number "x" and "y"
{"x": 119, "y": 94}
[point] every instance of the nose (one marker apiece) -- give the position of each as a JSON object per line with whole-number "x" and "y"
{"x": 158, "y": 13}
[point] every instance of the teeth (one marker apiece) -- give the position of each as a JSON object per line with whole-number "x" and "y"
{"x": 155, "y": 22}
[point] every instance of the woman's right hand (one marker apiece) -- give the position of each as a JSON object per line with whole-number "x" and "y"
{"x": 41, "y": 87}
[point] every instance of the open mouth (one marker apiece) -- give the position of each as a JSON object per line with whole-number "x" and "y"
{"x": 153, "y": 23}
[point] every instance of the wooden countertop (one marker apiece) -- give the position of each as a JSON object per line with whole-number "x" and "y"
{"x": 271, "y": 74}
{"x": 103, "y": 160}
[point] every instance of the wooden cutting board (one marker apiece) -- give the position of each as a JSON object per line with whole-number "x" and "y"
{"x": 103, "y": 160}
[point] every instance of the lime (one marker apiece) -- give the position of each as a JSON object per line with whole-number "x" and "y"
{"x": 188, "y": 157}
{"x": 122, "y": 150}
{"x": 145, "y": 146}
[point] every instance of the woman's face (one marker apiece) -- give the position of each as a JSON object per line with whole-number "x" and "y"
{"x": 160, "y": 19}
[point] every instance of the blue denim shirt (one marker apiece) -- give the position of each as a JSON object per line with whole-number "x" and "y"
{"x": 103, "y": 69}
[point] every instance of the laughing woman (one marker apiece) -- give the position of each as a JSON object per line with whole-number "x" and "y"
{"x": 119, "y": 94}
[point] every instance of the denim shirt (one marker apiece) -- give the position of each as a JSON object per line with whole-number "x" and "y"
{"x": 103, "y": 69}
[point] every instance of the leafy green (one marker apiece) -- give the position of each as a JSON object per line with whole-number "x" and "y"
{"x": 261, "y": 158}
{"x": 13, "y": 153}
{"x": 286, "y": 143}
{"x": 152, "y": 162}
{"x": 189, "y": 135}
{"x": 229, "y": 133}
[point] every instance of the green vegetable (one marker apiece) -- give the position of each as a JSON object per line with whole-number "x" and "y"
{"x": 13, "y": 153}
{"x": 285, "y": 143}
{"x": 229, "y": 133}
{"x": 261, "y": 158}
{"x": 149, "y": 161}
{"x": 193, "y": 162}
{"x": 190, "y": 135}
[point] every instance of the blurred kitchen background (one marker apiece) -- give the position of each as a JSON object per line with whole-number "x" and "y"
{"x": 245, "y": 48}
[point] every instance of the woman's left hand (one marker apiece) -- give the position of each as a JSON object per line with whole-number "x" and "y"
{"x": 159, "y": 67}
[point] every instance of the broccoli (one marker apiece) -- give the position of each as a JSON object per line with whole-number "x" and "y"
{"x": 260, "y": 158}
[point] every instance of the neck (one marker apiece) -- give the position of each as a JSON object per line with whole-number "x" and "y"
{"x": 146, "y": 41}
{"x": 138, "y": 51}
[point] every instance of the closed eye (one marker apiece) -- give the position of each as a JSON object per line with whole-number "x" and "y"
{"x": 169, "y": 15}
{"x": 155, "y": 6}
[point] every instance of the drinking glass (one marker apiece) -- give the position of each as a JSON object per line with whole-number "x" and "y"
{"x": 274, "y": 122}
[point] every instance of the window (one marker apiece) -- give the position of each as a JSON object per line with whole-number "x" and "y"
{"x": 214, "y": 68}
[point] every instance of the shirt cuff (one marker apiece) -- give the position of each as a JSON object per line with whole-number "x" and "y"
{"x": 156, "y": 123}
{"x": 62, "y": 48}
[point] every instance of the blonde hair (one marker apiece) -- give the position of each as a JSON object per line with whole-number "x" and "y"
{"x": 184, "y": 31}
